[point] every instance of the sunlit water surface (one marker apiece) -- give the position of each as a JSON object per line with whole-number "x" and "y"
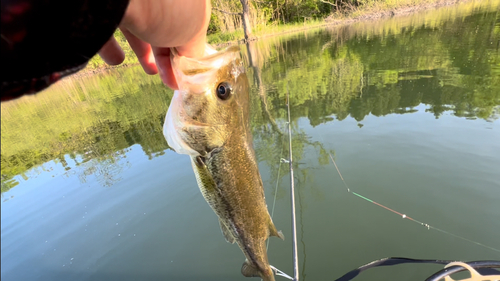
{"x": 407, "y": 107}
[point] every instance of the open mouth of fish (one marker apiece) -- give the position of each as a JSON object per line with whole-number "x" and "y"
{"x": 195, "y": 78}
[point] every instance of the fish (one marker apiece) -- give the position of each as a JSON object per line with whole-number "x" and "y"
{"x": 208, "y": 119}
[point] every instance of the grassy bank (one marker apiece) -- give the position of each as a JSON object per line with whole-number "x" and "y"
{"x": 366, "y": 10}
{"x": 363, "y": 10}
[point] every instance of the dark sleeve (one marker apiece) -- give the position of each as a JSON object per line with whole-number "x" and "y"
{"x": 43, "y": 41}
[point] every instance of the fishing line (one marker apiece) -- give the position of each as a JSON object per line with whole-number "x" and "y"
{"x": 280, "y": 273}
{"x": 407, "y": 217}
{"x": 276, "y": 186}
{"x": 292, "y": 199}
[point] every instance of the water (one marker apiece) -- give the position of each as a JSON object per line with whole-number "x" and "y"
{"x": 408, "y": 107}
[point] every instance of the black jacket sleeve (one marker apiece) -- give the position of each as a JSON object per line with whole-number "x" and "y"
{"x": 45, "y": 40}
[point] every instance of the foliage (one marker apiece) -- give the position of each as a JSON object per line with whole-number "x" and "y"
{"x": 221, "y": 37}
{"x": 92, "y": 117}
{"x": 266, "y": 14}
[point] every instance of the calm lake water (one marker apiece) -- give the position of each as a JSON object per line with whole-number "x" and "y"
{"x": 408, "y": 107}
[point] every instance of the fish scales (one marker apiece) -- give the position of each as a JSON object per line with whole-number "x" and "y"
{"x": 208, "y": 119}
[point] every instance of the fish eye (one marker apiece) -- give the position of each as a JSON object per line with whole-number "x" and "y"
{"x": 223, "y": 91}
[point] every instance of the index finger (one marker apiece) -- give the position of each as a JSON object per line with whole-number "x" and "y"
{"x": 162, "y": 58}
{"x": 142, "y": 50}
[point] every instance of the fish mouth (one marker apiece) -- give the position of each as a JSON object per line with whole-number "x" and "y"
{"x": 175, "y": 128}
{"x": 195, "y": 75}
{"x": 212, "y": 59}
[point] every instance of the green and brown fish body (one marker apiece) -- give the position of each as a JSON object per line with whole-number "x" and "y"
{"x": 208, "y": 119}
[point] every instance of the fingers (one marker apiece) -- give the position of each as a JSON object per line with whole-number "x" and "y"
{"x": 162, "y": 57}
{"x": 167, "y": 23}
{"x": 143, "y": 52}
{"x": 153, "y": 60}
{"x": 195, "y": 48}
{"x": 163, "y": 25}
{"x": 111, "y": 52}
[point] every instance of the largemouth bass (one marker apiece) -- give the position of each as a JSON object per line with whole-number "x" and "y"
{"x": 208, "y": 119}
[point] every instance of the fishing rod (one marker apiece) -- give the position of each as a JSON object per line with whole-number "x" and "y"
{"x": 292, "y": 201}
{"x": 292, "y": 194}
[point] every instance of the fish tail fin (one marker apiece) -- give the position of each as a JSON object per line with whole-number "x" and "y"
{"x": 249, "y": 270}
{"x": 275, "y": 232}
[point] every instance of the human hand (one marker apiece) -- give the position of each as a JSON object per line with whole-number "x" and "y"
{"x": 152, "y": 27}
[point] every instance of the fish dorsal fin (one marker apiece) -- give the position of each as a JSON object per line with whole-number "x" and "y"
{"x": 248, "y": 270}
{"x": 274, "y": 232}
{"x": 229, "y": 237}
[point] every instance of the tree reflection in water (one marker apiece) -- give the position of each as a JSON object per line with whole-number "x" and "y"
{"x": 374, "y": 68}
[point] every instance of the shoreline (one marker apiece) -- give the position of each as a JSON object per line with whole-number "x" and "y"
{"x": 367, "y": 14}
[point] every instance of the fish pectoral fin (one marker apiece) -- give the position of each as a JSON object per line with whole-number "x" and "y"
{"x": 248, "y": 270}
{"x": 227, "y": 234}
